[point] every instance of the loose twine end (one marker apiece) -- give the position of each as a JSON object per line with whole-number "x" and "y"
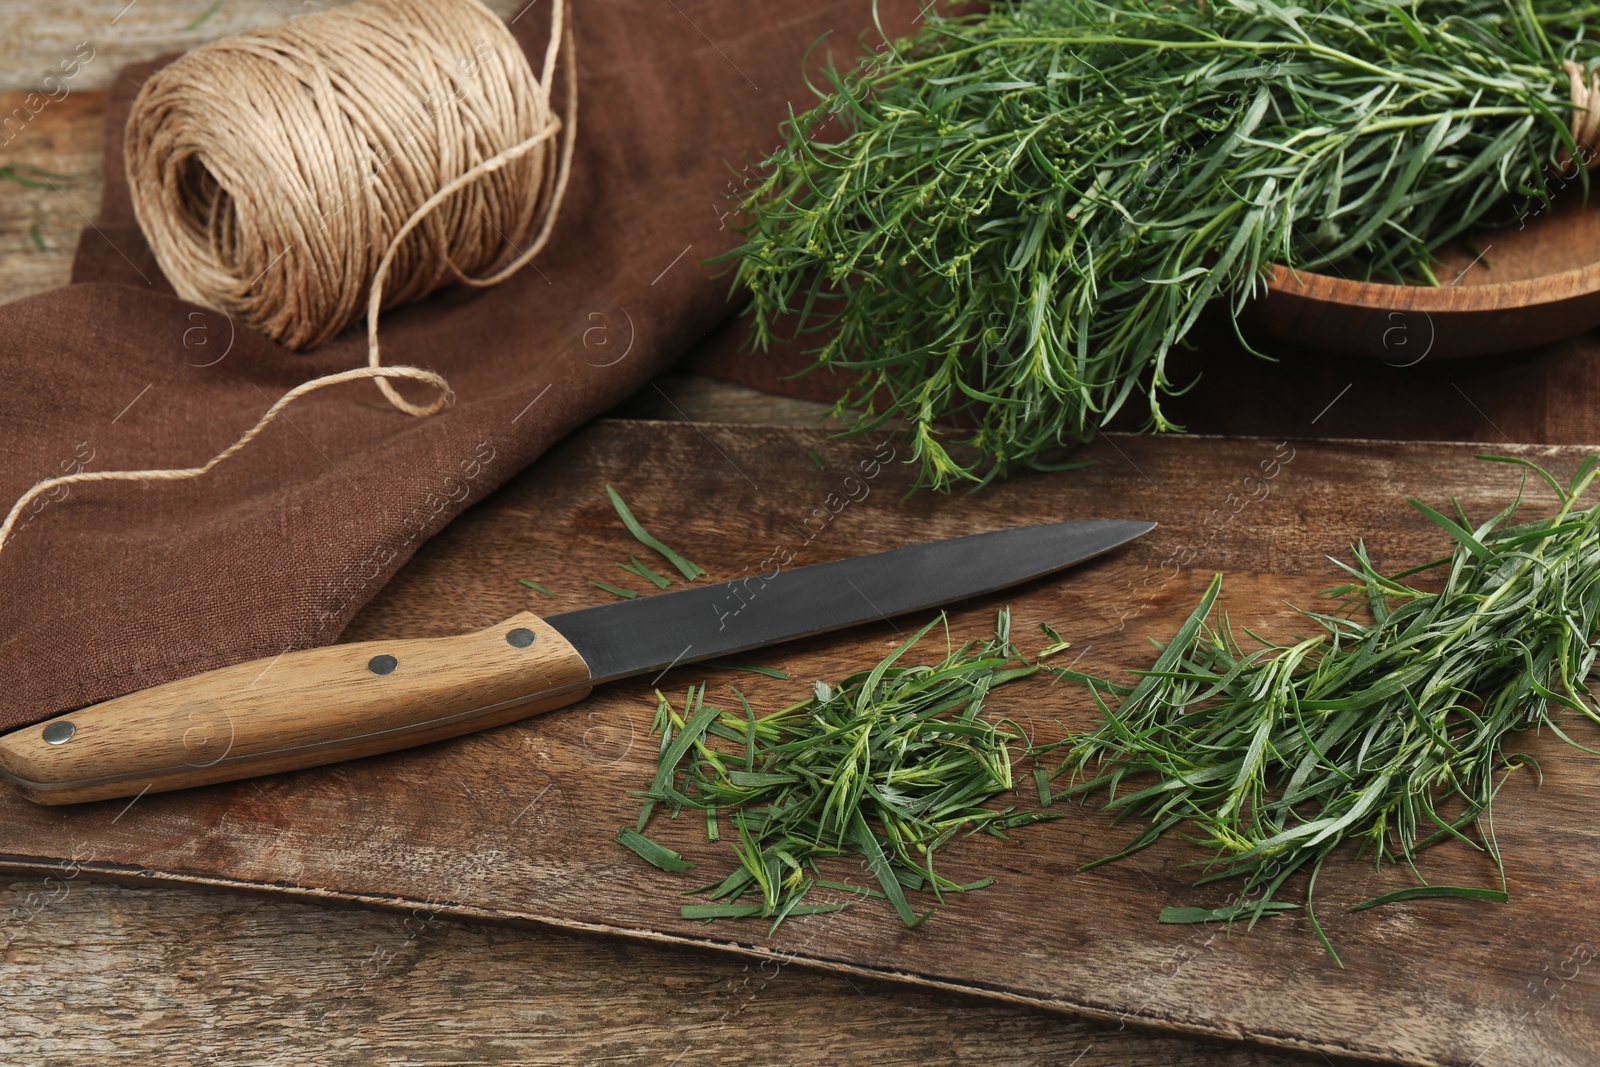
{"x": 437, "y": 381}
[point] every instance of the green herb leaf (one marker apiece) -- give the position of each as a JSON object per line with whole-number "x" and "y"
{"x": 626, "y": 594}
{"x": 201, "y": 20}
{"x": 758, "y": 779}
{"x": 701, "y": 715}
{"x": 746, "y": 911}
{"x": 1218, "y": 915}
{"x": 536, "y": 587}
{"x": 633, "y": 566}
{"x": 878, "y": 863}
{"x": 753, "y": 668}
{"x": 1424, "y": 892}
{"x": 846, "y": 887}
{"x": 690, "y": 571}
{"x": 33, "y": 177}
{"x": 1057, "y": 643}
{"x": 656, "y": 855}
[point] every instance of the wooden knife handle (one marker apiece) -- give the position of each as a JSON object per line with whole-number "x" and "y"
{"x": 300, "y": 709}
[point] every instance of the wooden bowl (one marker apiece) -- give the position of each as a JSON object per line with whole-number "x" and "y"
{"x": 1524, "y": 285}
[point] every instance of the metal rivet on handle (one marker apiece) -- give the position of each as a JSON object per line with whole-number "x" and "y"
{"x": 58, "y": 733}
{"x": 382, "y": 664}
{"x": 521, "y": 637}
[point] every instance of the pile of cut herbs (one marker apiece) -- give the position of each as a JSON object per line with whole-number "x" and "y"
{"x": 1000, "y": 228}
{"x": 1386, "y": 731}
{"x": 883, "y": 768}
{"x": 1383, "y": 729}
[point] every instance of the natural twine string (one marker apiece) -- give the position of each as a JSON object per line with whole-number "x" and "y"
{"x": 179, "y": 474}
{"x": 348, "y": 161}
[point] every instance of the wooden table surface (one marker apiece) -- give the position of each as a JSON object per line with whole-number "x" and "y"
{"x": 99, "y": 973}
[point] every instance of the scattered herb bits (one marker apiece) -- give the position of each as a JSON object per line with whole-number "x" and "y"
{"x": 687, "y": 568}
{"x": 652, "y": 853}
{"x": 753, "y": 668}
{"x": 1057, "y": 644}
{"x": 1386, "y": 733}
{"x": 633, "y": 566}
{"x": 536, "y": 587}
{"x": 883, "y": 768}
{"x": 33, "y": 177}
{"x": 200, "y": 20}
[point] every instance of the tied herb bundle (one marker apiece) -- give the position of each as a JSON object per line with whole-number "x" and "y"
{"x": 1389, "y": 733}
{"x": 885, "y": 767}
{"x": 1001, "y": 227}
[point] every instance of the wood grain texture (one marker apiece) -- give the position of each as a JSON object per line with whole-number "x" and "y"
{"x": 41, "y": 216}
{"x": 512, "y": 824}
{"x": 302, "y": 708}
{"x": 38, "y": 36}
{"x": 114, "y": 974}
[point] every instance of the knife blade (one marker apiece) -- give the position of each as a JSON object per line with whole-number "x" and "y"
{"x": 336, "y": 702}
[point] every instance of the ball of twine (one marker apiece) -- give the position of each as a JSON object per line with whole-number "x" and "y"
{"x": 297, "y": 177}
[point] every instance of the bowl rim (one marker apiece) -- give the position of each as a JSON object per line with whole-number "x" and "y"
{"x": 1546, "y": 289}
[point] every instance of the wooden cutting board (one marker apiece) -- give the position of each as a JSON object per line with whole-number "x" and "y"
{"x": 516, "y": 824}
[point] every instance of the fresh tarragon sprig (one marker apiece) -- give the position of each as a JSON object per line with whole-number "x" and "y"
{"x": 1385, "y": 727}
{"x": 1000, "y": 228}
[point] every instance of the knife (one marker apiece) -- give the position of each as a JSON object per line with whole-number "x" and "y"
{"x": 338, "y": 702}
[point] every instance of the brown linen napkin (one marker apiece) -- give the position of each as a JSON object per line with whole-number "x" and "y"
{"x": 115, "y": 587}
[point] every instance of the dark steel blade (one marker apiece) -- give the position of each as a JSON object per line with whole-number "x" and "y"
{"x": 653, "y": 633}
